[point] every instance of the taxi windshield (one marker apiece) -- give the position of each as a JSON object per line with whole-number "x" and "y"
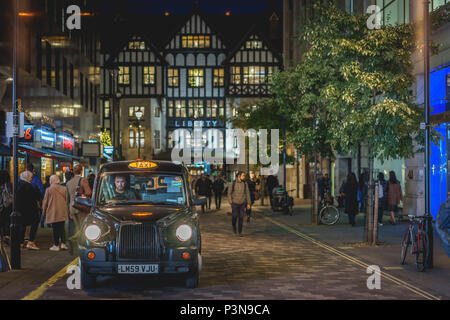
{"x": 141, "y": 188}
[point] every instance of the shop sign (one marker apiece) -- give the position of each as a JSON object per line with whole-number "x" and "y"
{"x": 108, "y": 152}
{"x": 47, "y": 138}
{"x": 68, "y": 143}
{"x": 196, "y": 123}
{"x": 28, "y": 133}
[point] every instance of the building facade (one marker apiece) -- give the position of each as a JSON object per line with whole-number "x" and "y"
{"x": 193, "y": 72}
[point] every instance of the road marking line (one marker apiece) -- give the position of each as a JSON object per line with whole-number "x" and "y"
{"x": 35, "y": 294}
{"x": 346, "y": 248}
{"x": 393, "y": 268}
{"x": 354, "y": 260}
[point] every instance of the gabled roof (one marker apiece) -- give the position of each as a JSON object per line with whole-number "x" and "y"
{"x": 160, "y": 29}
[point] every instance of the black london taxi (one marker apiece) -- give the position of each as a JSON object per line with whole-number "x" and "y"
{"x": 142, "y": 221}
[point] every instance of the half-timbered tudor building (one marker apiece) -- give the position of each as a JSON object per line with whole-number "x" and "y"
{"x": 182, "y": 72}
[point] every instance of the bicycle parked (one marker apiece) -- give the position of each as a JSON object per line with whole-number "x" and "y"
{"x": 329, "y": 214}
{"x": 418, "y": 239}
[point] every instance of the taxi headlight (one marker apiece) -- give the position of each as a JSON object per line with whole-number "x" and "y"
{"x": 92, "y": 232}
{"x": 184, "y": 232}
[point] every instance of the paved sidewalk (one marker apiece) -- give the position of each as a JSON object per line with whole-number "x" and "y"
{"x": 386, "y": 254}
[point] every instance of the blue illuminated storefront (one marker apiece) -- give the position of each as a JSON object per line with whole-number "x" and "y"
{"x": 439, "y": 93}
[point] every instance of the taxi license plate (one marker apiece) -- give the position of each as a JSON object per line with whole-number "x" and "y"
{"x": 138, "y": 268}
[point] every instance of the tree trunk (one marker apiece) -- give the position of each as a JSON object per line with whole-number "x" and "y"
{"x": 369, "y": 209}
{"x": 315, "y": 219}
{"x": 375, "y": 216}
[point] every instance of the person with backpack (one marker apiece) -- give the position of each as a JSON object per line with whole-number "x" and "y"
{"x": 203, "y": 187}
{"x": 79, "y": 185}
{"x": 239, "y": 199}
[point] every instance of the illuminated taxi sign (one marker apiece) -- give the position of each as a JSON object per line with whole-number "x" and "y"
{"x": 142, "y": 165}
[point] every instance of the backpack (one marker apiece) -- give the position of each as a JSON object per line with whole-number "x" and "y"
{"x": 6, "y": 197}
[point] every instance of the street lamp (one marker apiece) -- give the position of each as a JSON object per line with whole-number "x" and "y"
{"x": 139, "y": 115}
{"x": 117, "y": 95}
{"x": 428, "y": 216}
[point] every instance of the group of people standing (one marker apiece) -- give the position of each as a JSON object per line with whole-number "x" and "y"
{"x": 35, "y": 203}
{"x": 389, "y": 196}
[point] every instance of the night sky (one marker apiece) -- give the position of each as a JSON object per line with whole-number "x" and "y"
{"x": 184, "y": 6}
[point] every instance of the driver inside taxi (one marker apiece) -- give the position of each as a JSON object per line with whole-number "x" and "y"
{"x": 120, "y": 190}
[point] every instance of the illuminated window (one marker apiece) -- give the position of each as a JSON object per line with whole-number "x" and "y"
{"x": 253, "y": 44}
{"x": 214, "y": 108}
{"x": 180, "y": 108}
{"x": 196, "y": 41}
{"x": 136, "y": 45}
{"x": 196, "y": 77}
{"x": 218, "y": 80}
{"x": 124, "y": 75}
{"x": 132, "y": 111}
{"x": 107, "y": 109}
{"x": 195, "y": 108}
{"x": 172, "y": 77}
{"x": 235, "y": 75}
{"x": 132, "y": 138}
{"x": 254, "y": 75}
{"x": 149, "y": 75}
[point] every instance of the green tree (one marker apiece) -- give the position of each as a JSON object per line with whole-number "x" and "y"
{"x": 105, "y": 139}
{"x": 352, "y": 87}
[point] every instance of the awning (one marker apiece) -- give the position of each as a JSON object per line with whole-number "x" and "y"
{"x": 46, "y": 153}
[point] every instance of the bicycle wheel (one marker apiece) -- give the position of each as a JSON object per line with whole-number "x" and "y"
{"x": 329, "y": 215}
{"x": 421, "y": 251}
{"x": 405, "y": 244}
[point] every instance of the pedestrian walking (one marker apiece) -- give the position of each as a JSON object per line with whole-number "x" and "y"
{"x": 382, "y": 188}
{"x": 6, "y": 200}
{"x": 55, "y": 208}
{"x": 252, "y": 188}
{"x": 68, "y": 175}
{"x": 210, "y": 186}
{"x": 203, "y": 187}
{"x": 91, "y": 180}
{"x": 79, "y": 185}
{"x": 394, "y": 195}
{"x": 239, "y": 199}
{"x": 28, "y": 198}
{"x": 36, "y": 181}
{"x": 350, "y": 194}
{"x": 218, "y": 187}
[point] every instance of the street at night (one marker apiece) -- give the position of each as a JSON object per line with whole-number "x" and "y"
{"x": 233, "y": 153}
{"x": 279, "y": 257}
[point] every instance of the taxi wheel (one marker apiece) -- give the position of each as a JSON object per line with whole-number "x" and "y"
{"x": 87, "y": 280}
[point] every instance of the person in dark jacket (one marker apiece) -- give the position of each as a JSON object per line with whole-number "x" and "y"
{"x": 203, "y": 187}
{"x": 91, "y": 180}
{"x": 394, "y": 195}
{"x": 350, "y": 192}
{"x": 382, "y": 196}
{"x": 252, "y": 188}
{"x": 218, "y": 187}
{"x": 28, "y": 199}
{"x": 6, "y": 200}
{"x": 36, "y": 182}
{"x": 271, "y": 183}
{"x": 239, "y": 199}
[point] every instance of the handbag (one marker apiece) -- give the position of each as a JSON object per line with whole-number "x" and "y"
{"x": 76, "y": 205}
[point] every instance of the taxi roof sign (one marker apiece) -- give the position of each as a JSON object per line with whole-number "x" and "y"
{"x": 142, "y": 165}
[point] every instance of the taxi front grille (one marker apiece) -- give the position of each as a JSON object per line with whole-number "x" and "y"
{"x": 139, "y": 241}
